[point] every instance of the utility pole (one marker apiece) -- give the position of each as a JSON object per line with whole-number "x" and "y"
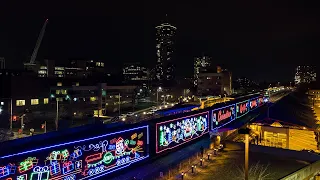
{"x": 246, "y": 133}
{"x": 45, "y": 126}
{"x": 57, "y": 115}
{"x": 119, "y": 104}
{"x": 268, "y": 104}
{"x": 158, "y": 90}
{"x": 11, "y": 115}
{"x": 99, "y": 103}
{"x": 22, "y": 122}
{"x": 246, "y": 164}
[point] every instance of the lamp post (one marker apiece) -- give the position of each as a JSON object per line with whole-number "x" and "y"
{"x": 158, "y": 90}
{"x": 22, "y": 122}
{"x": 119, "y": 103}
{"x": 57, "y": 115}
{"x": 246, "y": 132}
{"x": 11, "y": 115}
{"x": 57, "y": 111}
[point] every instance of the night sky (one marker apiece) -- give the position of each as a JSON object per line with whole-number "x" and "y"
{"x": 259, "y": 40}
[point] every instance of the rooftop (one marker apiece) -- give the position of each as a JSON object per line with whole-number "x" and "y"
{"x": 277, "y": 163}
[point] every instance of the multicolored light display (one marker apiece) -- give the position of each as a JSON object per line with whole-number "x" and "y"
{"x": 173, "y": 133}
{"x": 84, "y": 159}
{"x": 242, "y": 108}
{"x": 222, "y": 116}
{"x": 98, "y": 156}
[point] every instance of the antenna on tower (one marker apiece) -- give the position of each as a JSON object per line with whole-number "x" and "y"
{"x": 166, "y": 18}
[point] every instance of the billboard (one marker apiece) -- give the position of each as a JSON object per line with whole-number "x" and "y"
{"x": 83, "y": 159}
{"x": 242, "y": 108}
{"x": 222, "y": 116}
{"x": 173, "y": 133}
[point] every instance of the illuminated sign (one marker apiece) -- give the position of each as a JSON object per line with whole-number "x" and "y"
{"x": 222, "y": 116}
{"x": 253, "y": 103}
{"x": 260, "y": 101}
{"x": 242, "y": 108}
{"x": 83, "y": 159}
{"x": 173, "y": 133}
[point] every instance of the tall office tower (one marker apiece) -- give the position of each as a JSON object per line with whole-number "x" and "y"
{"x": 305, "y": 74}
{"x": 201, "y": 65}
{"x": 165, "y": 49}
{"x": 2, "y": 63}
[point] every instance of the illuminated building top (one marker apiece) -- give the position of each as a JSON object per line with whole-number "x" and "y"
{"x": 165, "y": 41}
{"x": 305, "y": 74}
{"x": 201, "y": 64}
{"x": 135, "y": 72}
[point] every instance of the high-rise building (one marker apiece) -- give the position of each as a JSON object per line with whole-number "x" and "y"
{"x": 305, "y": 74}
{"x": 165, "y": 49}
{"x": 201, "y": 65}
{"x": 2, "y": 63}
{"x": 134, "y": 72}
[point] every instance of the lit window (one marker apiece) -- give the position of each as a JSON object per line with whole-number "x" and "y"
{"x": 59, "y": 99}
{"x": 34, "y": 101}
{"x": 102, "y": 64}
{"x": 97, "y": 63}
{"x": 63, "y": 91}
{"x": 20, "y": 102}
{"x": 45, "y": 100}
{"x": 59, "y": 68}
{"x": 77, "y": 83}
{"x": 58, "y": 91}
{"x": 59, "y": 83}
{"x": 93, "y": 98}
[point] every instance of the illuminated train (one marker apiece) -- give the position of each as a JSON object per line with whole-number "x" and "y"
{"x": 95, "y": 151}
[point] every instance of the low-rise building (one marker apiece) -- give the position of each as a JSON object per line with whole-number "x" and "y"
{"x": 218, "y": 83}
{"x": 135, "y": 73}
{"x": 92, "y": 98}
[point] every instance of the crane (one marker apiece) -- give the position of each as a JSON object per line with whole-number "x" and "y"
{"x": 35, "y": 51}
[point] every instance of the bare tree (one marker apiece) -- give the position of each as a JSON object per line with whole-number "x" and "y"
{"x": 257, "y": 171}
{"x": 4, "y": 135}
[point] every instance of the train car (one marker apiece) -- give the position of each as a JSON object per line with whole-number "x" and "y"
{"x": 93, "y": 151}
{"x": 177, "y": 110}
{"x": 86, "y": 153}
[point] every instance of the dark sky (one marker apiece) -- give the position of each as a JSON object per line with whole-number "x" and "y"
{"x": 260, "y": 40}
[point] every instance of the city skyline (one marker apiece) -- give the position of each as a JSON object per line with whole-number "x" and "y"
{"x": 131, "y": 37}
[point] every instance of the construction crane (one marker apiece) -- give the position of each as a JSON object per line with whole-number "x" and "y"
{"x": 31, "y": 64}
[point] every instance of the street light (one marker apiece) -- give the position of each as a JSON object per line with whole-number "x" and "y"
{"x": 57, "y": 111}
{"x": 11, "y": 115}
{"x": 246, "y": 132}
{"x": 119, "y": 96}
{"x": 158, "y": 90}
